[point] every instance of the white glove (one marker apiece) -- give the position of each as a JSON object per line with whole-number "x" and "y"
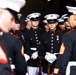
{"x": 27, "y": 57}
{"x": 50, "y": 57}
{"x": 34, "y": 55}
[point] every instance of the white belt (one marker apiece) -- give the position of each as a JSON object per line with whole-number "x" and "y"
{"x": 56, "y": 53}
{"x": 34, "y": 49}
{"x": 12, "y": 66}
{"x": 71, "y": 63}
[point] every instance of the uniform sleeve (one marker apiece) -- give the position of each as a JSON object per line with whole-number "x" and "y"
{"x": 20, "y": 63}
{"x": 65, "y": 55}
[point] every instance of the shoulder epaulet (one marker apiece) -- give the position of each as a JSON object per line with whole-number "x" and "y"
{"x": 70, "y": 31}
{"x": 14, "y": 35}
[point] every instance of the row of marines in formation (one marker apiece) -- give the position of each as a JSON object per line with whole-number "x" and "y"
{"x": 41, "y": 46}
{"x": 35, "y": 51}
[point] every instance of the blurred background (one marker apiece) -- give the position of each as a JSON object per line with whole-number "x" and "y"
{"x": 45, "y": 7}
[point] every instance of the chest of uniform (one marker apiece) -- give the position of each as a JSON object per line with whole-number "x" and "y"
{"x": 34, "y": 36}
{"x": 52, "y": 39}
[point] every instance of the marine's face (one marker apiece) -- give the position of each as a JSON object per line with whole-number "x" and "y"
{"x": 6, "y": 20}
{"x": 66, "y": 23}
{"x": 62, "y": 26}
{"x": 52, "y": 26}
{"x": 46, "y": 27}
{"x": 72, "y": 20}
{"x": 35, "y": 23}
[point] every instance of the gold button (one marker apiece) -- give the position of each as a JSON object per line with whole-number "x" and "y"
{"x": 36, "y": 40}
{"x": 51, "y": 51}
{"x": 36, "y": 37}
{"x": 51, "y": 40}
{"x": 35, "y": 34}
{"x": 51, "y": 37}
{"x": 52, "y": 47}
{"x": 51, "y": 43}
{"x": 52, "y": 34}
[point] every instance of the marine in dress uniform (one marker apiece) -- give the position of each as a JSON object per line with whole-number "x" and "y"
{"x": 67, "y": 54}
{"x": 11, "y": 49}
{"x": 27, "y": 25}
{"x": 16, "y": 54}
{"x": 26, "y": 29}
{"x": 50, "y": 43}
{"x": 16, "y": 29}
{"x": 33, "y": 38}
